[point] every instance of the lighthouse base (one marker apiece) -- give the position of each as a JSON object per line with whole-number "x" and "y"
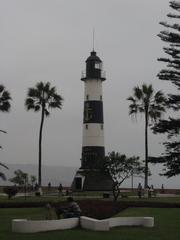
{"x": 92, "y": 180}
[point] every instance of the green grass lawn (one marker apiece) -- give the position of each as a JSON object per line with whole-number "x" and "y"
{"x": 175, "y": 199}
{"x": 52, "y": 198}
{"x": 131, "y": 196}
{"x": 167, "y": 222}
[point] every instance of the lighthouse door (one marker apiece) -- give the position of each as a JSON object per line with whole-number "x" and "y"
{"x": 78, "y": 183}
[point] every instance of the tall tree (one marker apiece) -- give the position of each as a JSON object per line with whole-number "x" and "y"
{"x": 42, "y": 98}
{"x": 150, "y": 103}
{"x": 171, "y": 126}
{"x": 5, "y": 106}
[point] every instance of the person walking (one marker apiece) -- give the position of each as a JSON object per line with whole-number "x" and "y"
{"x": 139, "y": 190}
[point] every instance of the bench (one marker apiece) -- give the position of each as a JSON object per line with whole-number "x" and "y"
{"x": 94, "y": 224}
{"x": 131, "y": 221}
{"x": 32, "y": 226}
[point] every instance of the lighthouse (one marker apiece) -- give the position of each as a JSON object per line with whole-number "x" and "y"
{"x": 93, "y": 123}
{"x": 90, "y": 176}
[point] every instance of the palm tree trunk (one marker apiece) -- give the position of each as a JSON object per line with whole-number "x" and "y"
{"x": 132, "y": 181}
{"x": 146, "y": 150}
{"x": 40, "y": 147}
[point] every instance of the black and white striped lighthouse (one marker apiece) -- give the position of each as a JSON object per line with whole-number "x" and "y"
{"x": 89, "y": 176}
{"x": 93, "y": 123}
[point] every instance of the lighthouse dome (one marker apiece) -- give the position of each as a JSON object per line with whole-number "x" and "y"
{"x": 93, "y": 57}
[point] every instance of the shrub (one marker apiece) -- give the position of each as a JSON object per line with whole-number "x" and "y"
{"x": 37, "y": 194}
{"x": 100, "y": 209}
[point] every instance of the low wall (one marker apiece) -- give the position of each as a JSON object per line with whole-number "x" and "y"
{"x": 94, "y": 224}
{"x": 32, "y": 226}
{"x": 131, "y": 221}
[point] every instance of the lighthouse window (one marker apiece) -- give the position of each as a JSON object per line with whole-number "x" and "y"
{"x": 86, "y": 126}
{"x": 101, "y": 97}
{"x": 101, "y": 126}
{"x": 87, "y": 97}
{"x": 97, "y": 66}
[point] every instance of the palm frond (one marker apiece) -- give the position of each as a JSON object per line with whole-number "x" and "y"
{"x": 5, "y": 96}
{"x": 54, "y": 105}
{"x": 3, "y": 165}
{"x": 147, "y": 92}
{"x": 30, "y": 104}
{"x": 33, "y": 93}
{"x": 47, "y": 113}
{"x": 52, "y": 91}
{"x": 137, "y": 93}
{"x": 2, "y": 176}
{"x": 131, "y": 99}
{"x": 37, "y": 108}
{"x": 47, "y": 87}
{"x": 57, "y": 98}
{"x": 29, "y": 101}
{"x": 1, "y": 88}
{"x": 5, "y": 106}
{"x": 159, "y": 97}
{"x": 40, "y": 86}
{"x": 3, "y": 131}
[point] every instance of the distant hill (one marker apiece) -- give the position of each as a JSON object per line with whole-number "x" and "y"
{"x": 53, "y": 174}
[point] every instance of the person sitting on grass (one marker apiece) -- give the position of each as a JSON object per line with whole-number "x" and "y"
{"x": 49, "y": 212}
{"x": 73, "y": 209}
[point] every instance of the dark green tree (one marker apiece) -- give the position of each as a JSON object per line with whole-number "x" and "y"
{"x": 20, "y": 178}
{"x": 150, "y": 103}
{"x": 120, "y": 168}
{"x": 42, "y": 98}
{"x": 171, "y": 36}
{"x": 4, "y": 107}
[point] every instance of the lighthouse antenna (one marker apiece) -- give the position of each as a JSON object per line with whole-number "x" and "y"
{"x": 93, "y": 37}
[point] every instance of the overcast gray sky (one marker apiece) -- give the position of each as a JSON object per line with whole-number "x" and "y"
{"x": 49, "y": 40}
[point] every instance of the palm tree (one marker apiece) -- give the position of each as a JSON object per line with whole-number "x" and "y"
{"x": 150, "y": 103}
{"x": 42, "y": 98}
{"x": 4, "y": 99}
{"x": 4, "y": 107}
